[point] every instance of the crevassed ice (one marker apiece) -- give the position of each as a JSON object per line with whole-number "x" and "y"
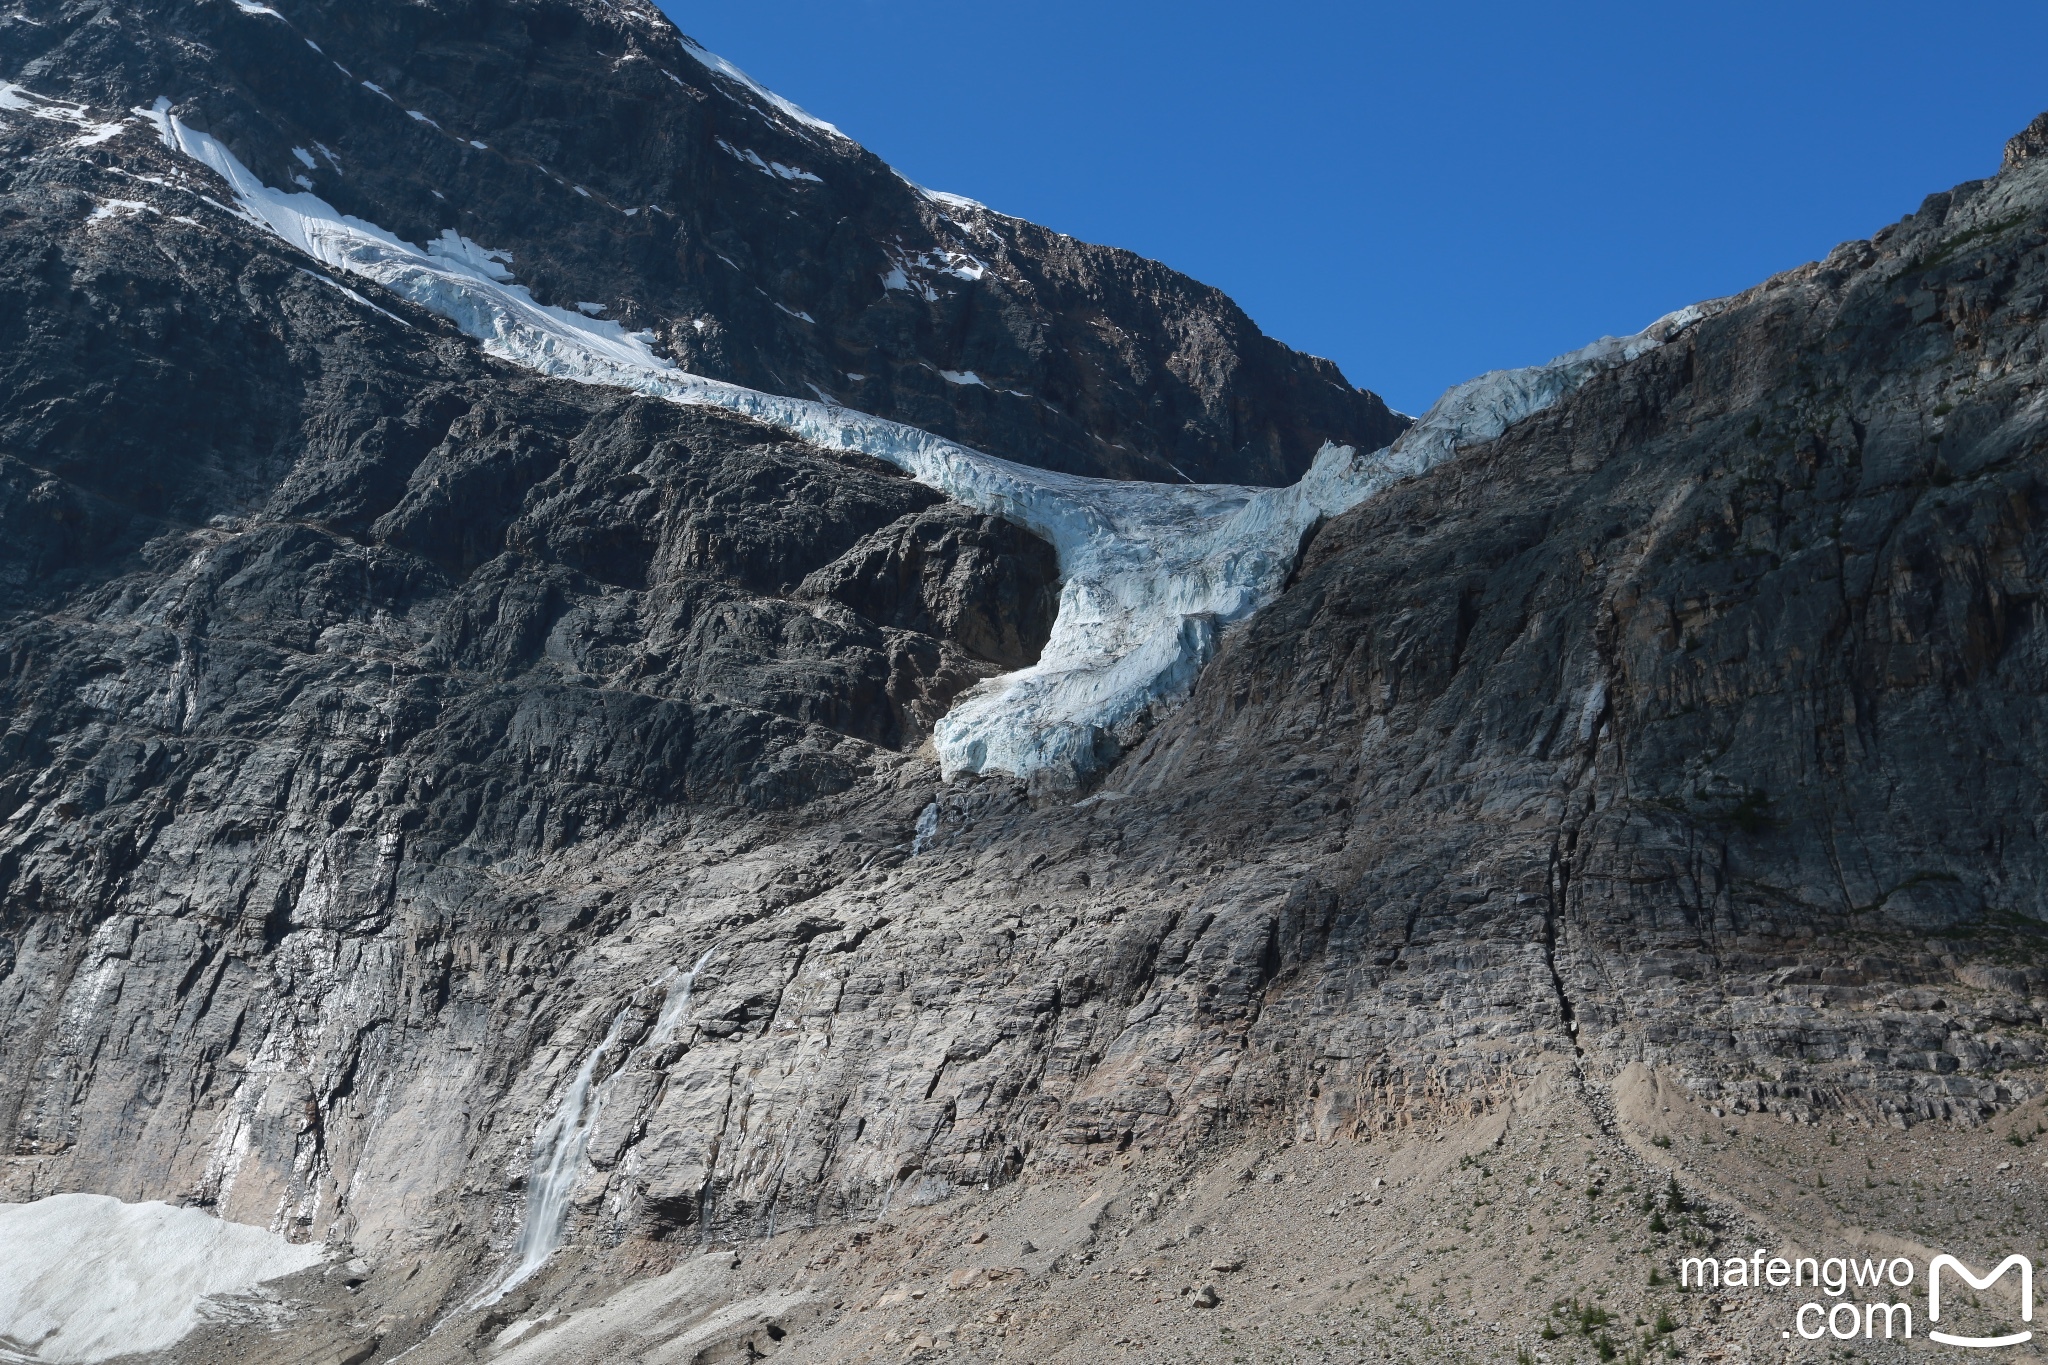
{"x": 1150, "y": 572}
{"x": 88, "y": 1278}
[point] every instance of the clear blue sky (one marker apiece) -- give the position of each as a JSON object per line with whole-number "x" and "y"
{"x": 1427, "y": 190}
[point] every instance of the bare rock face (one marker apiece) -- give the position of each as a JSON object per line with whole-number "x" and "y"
{"x": 400, "y": 748}
{"x": 948, "y": 572}
{"x": 2028, "y": 143}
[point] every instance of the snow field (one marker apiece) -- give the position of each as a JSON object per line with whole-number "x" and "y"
{"x": 86, "y": 1278}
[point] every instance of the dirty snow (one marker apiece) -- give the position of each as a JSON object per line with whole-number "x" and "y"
{"x": 86, "y": 1278}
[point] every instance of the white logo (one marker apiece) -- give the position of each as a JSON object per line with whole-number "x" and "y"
{"x": 2026, "y": 1269}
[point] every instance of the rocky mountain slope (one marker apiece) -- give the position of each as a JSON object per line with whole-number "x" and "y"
{"x": 444, "y": 801}
{"x": 611, "y": 165}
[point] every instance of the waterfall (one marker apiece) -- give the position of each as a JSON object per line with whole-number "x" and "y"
{"x": 557, "y": 1161}
{"x": 676, "y": 1006}
{"x": 927, "y": 828}
{"x": 559, "y": 1145}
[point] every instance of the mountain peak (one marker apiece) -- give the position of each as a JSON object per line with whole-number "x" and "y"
{"x": 623, "y": 170}
{"x": 2028, "y": 143}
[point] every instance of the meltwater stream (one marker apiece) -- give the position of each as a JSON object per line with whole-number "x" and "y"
{"x": 557, "y": 1161}
{"x": 559, "y": 1145}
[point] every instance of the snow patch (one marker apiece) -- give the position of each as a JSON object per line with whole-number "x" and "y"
{"x": 773, "y": 168}
{"x": 86, "y": 1278}
{"x": 26, "y": 101}
{"x": 251, "y": 7}
{"x": 377, "y": 89}
{"x": 417, "y": 117}
{"x": 121, "y": 207}
{"x": 589, "y": 310}
{"x": 1151, "y": 572}
{"x": 908, "y": 272}
{"x": 305, "y": 158}
{"x": 337, "y": 284}
{"x": 962, "y": 377}
{"x": 951, "y": 201}
{"x": 99, "y": 133}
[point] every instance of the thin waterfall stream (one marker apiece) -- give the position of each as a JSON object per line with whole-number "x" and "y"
{"x": 560, "y": 1142}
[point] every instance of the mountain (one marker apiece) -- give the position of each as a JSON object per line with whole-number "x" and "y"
{"x": 478, "y": 800}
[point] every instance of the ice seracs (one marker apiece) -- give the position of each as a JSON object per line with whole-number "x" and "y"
{"x": 1151, "y": 572}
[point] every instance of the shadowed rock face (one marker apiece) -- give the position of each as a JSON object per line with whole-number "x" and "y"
{"x": 586, "y": 143}
{"x": 385, "y": 727}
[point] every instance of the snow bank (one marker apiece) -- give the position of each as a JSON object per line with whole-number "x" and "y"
{"x": 87, "y": 1278}
{"x": 1150, "y": 572}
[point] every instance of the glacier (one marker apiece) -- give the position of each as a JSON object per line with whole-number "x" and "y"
{"x": 87, "y": 1278}
{"x": 1150, "y": 573}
